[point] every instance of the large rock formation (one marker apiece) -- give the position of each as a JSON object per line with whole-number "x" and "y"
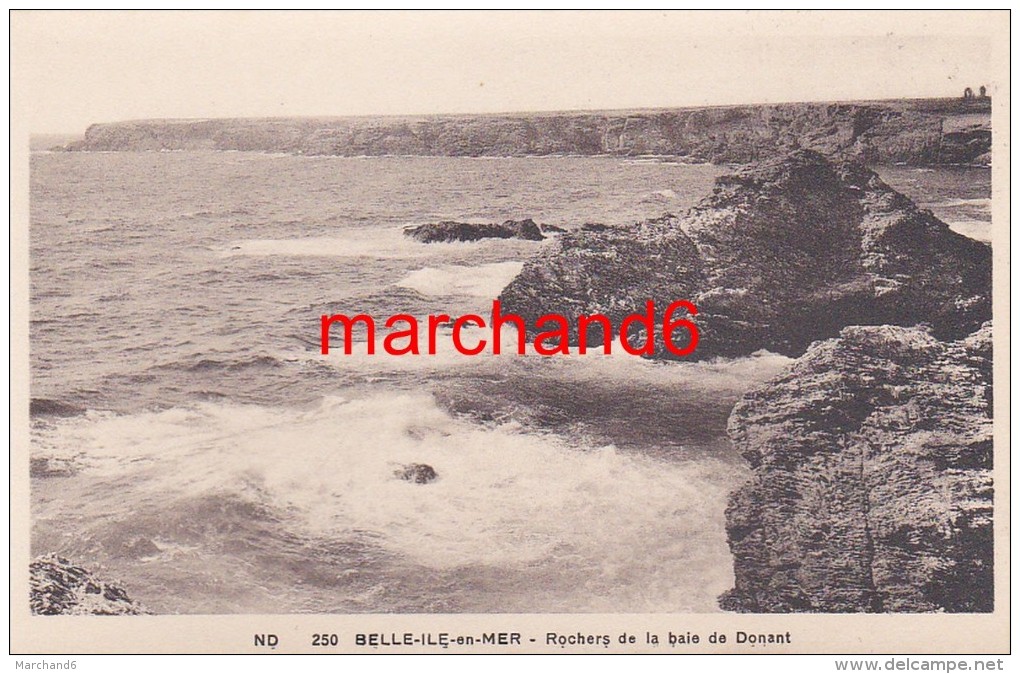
{"x": 935, "y": 131}
{"x": 612, "y": 271}
{"x": 872, "y": 487}
{"x": 781, "y": 254}
{"x": 58, "y": 587}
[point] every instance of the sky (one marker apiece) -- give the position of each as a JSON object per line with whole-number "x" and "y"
{"x": 70, "y": 70}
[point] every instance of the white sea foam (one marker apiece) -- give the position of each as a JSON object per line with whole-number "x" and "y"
{"x": 504, "y": 497}
{"x": 486, "y": 280}
{"x": 594, "y": 364}
{"x": 983, "y": 202}
{"x": 376, "y": 243}
{"x": 660, "y": 195}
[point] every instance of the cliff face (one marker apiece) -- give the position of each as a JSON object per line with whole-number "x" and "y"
{"x": 876, "y": 133}
{"x": 782, "y": 254}
{"x": 872, "y": 488}
{"x": 58, "y": 587}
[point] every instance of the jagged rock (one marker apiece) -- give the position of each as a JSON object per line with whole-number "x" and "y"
{"x": 448, "y": 230}
{"x": 782, "y": 254}
{"x": 872, "y": 484}
{"x": 613, "y": 271}
{"x": 593, "y": 227}
{"x": 58, "y": 587}
{"x": 419, "y": 473}
{"x": 803, "y": 247}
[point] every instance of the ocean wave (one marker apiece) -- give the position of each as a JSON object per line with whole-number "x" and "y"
{"x": 593, "y": 365}
{"x": 115, "y": 297}
{"x": 983, "y": 203}
{"x": 220, "y": 213}
{"x": 383, "y": 242}
{"x": 378, "y": 302}
{"x": 226, "y": 364}
{"x": 659, "y": 196}
{"x": 665, "y": 160}
{"x": 485, "y": 280}
{"x": 504, "y": 497}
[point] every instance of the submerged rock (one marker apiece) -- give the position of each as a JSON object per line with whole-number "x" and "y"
{"x": 419, "y": 473}
{"x": 448, "y": 231}
{"x": 782, "y": 254}
{"x": 872, "y": 484}
{"x": 51, "y": 466}
{"x": 140, "y": 547}
{"x": 58, "y": 587}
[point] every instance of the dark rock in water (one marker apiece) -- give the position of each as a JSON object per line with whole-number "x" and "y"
{"x": 45, "y": 407}
{"x": 984, "y": 159}
{"x": 419, "y": 473}
{"x": 551, "y": 229}
{"x": 51, "y": 466}
{"x": 448, "y": 230}
{"x": 872, "y": 483}
{"x": 58, "y": 587}
{"x": 141, "y": 547}
{"x": 523, "y": 229}
{"x": 782, "y": 254}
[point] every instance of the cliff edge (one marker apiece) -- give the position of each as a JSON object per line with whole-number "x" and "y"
{"x": 871, "y": 487}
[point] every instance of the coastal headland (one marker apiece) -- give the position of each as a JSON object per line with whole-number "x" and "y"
{"x": 937, "y": 131}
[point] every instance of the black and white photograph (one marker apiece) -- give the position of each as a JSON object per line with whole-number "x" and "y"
{"x": 575, "y": 322}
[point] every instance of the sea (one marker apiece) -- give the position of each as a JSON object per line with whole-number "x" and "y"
{"x": 190, "y": 443}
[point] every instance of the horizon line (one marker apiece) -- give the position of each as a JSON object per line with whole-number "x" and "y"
{"x": 567, "y": 111}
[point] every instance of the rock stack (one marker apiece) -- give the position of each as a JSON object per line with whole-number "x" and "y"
{"x": 872, "y": 453}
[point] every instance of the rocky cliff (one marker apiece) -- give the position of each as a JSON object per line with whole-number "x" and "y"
{"x": 918, "y": 132}
{"x": 783, "y": 253}
{"x": 58, "y": 587}
{"x": 872, "y": 488}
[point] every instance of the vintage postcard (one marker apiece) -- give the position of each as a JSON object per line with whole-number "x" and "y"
{"x": 510, "y": 332}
